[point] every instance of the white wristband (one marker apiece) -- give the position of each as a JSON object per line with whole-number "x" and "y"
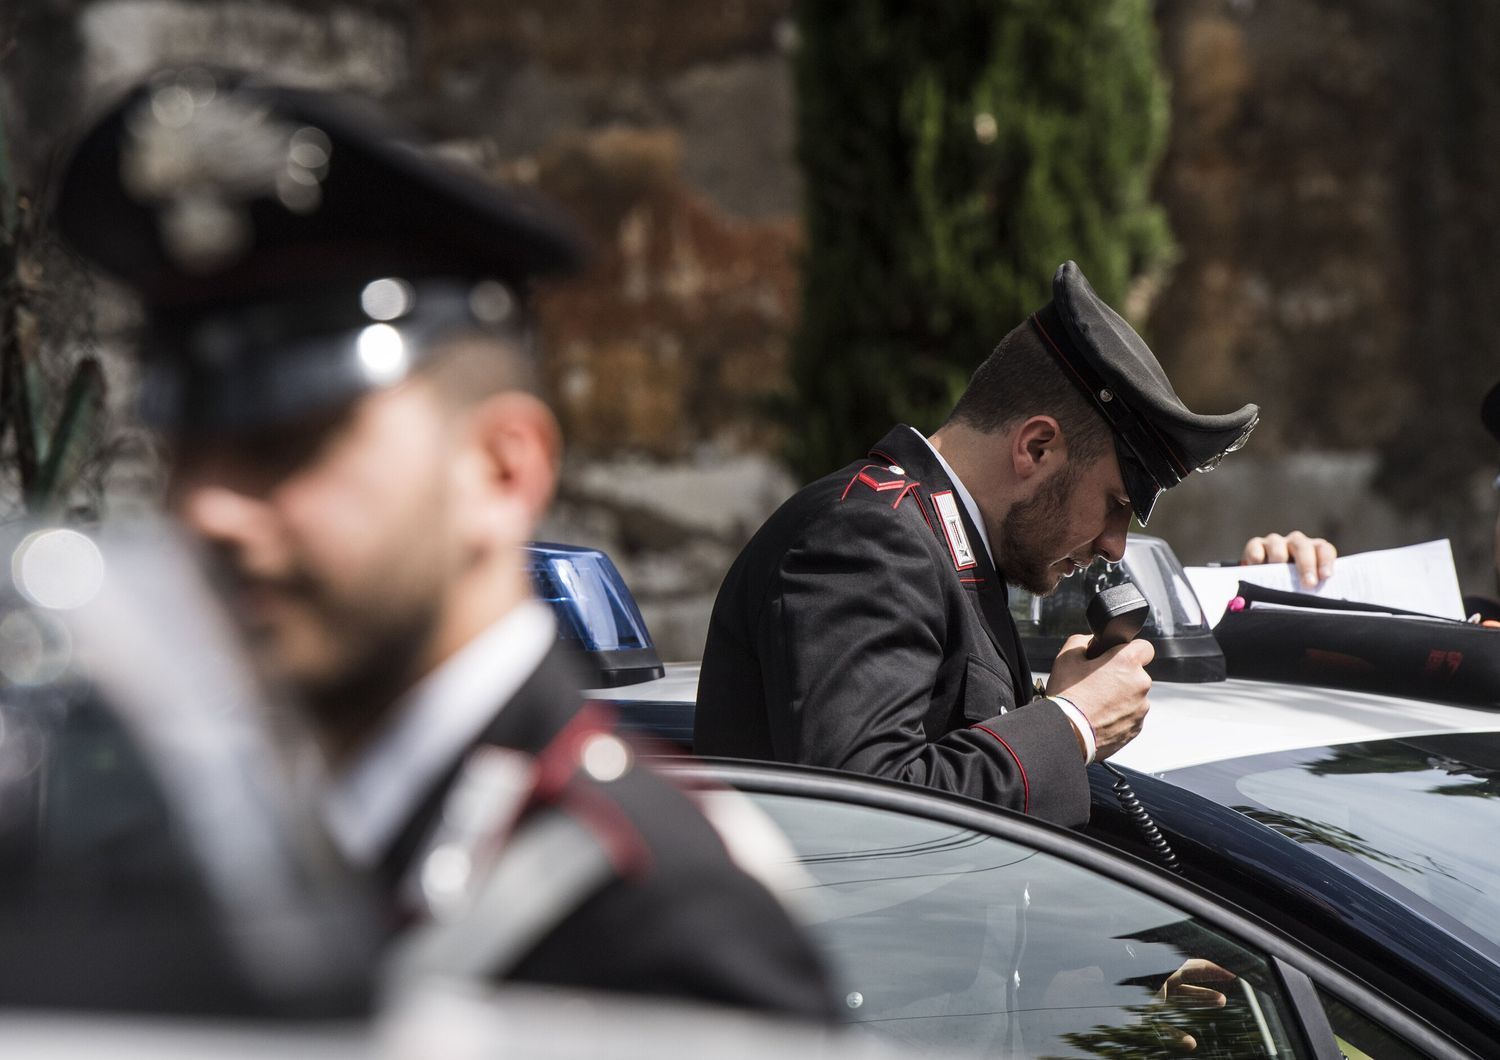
{"x": 1080, "y": 722}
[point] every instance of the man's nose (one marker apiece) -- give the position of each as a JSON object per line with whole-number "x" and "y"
{"x": 1111, "y": 543}
{"x": 216, "y": 512}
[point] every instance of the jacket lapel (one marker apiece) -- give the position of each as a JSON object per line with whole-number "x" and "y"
{"x": 541, "y": 707}
{"x": 972, "y": 565}
{"x": 539, "y": 710}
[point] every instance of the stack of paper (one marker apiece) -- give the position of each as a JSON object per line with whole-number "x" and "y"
{"x": 1415, "y": 578}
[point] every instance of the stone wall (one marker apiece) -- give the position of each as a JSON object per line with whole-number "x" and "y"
{"x": 1331, "y": 179}
{"x": 665, "y": 126}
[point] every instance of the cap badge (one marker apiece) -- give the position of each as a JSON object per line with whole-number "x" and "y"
{"x": 201, "y": 153}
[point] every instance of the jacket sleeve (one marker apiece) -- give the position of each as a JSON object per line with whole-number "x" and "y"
{"x": 852, "y": 635}
{"x": 687, "y": 923}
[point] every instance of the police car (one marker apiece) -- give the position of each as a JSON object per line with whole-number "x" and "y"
{"x": 947, "y": 923}
{"x": 1331, "y": 847}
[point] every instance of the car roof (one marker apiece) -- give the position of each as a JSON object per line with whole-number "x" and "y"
{"x": 1194, "y": 723}
{"x": 680, "y": 685}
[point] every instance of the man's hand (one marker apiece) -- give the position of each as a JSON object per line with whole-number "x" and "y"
{"x": 1110, "y": 690}
{"x": 1181, "y": 990}
{"x": 1313, "y": 555}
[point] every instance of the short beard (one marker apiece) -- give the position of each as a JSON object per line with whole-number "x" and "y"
{"x": 384, "y": 661}
{"x": 1029, "y": 529}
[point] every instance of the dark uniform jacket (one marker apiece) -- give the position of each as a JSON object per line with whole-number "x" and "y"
{"x": 1486, "y": 607}
{"x": 679, "y": 919}
{"x": 856, "y": 631}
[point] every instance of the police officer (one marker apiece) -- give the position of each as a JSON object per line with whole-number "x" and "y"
{"x": 335, "y": 348}
{"x": 1487, "y": 607}
{"x": 866, "y": 626}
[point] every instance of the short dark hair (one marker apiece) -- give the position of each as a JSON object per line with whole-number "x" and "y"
{"x": 1021, "y": 378}
{"x": 469, "y": 366}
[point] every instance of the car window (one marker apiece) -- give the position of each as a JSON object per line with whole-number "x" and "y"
{"x": 1403, "y": 814}
{"x": 944, "y": 936}
{"x": 1361, "y": 1038}
{"x": 95, "y": 867}
{"x": 106, "y": 903}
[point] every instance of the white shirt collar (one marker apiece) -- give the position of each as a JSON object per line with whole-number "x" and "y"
{"x": 963, "y": 495}
{"x": 434, "y": 723}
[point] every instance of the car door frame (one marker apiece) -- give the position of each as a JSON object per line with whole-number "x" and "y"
{"x": 1300, "y": 970}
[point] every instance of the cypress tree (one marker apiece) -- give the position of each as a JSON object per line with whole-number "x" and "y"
{"x": 954, "y": 154}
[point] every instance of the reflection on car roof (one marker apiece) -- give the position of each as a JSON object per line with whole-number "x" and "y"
{"x": 1194, "y": 724}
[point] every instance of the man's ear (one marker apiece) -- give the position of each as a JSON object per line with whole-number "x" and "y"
{"x": 516, "y": 451}
{"x": 1037, "y": 446}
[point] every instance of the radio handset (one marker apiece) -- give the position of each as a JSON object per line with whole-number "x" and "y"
{"x": 1115, "y": 616}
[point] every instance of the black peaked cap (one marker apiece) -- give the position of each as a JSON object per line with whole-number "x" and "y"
{"x": 1159, "y": 439}
{"x": 249, "y": 217}
{"x": 381, "y": 203}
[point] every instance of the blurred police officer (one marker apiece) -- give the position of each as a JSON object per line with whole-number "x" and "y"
{"x": 866, "y": 626}
{"x": 335, "y": 345}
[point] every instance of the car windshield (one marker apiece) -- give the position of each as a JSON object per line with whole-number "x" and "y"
{"x": 1414, "y": 816}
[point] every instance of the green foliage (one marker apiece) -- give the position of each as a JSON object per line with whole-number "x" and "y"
{"x": 954, "y": 155}
{"x": 48, "y": 462}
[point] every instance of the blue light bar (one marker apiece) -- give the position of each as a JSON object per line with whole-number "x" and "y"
{"x": 595, "y": 613}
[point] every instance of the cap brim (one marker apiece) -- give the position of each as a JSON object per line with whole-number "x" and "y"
{"x": 1140, "y": 485}
{"x": 245, "y": 368}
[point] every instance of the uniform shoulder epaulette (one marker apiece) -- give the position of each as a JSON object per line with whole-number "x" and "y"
{"x": 500, "y": 792}
{"x": 882, "y": 480}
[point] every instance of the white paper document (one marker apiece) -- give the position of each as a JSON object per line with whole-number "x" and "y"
{"x": 1415, "y": 578}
